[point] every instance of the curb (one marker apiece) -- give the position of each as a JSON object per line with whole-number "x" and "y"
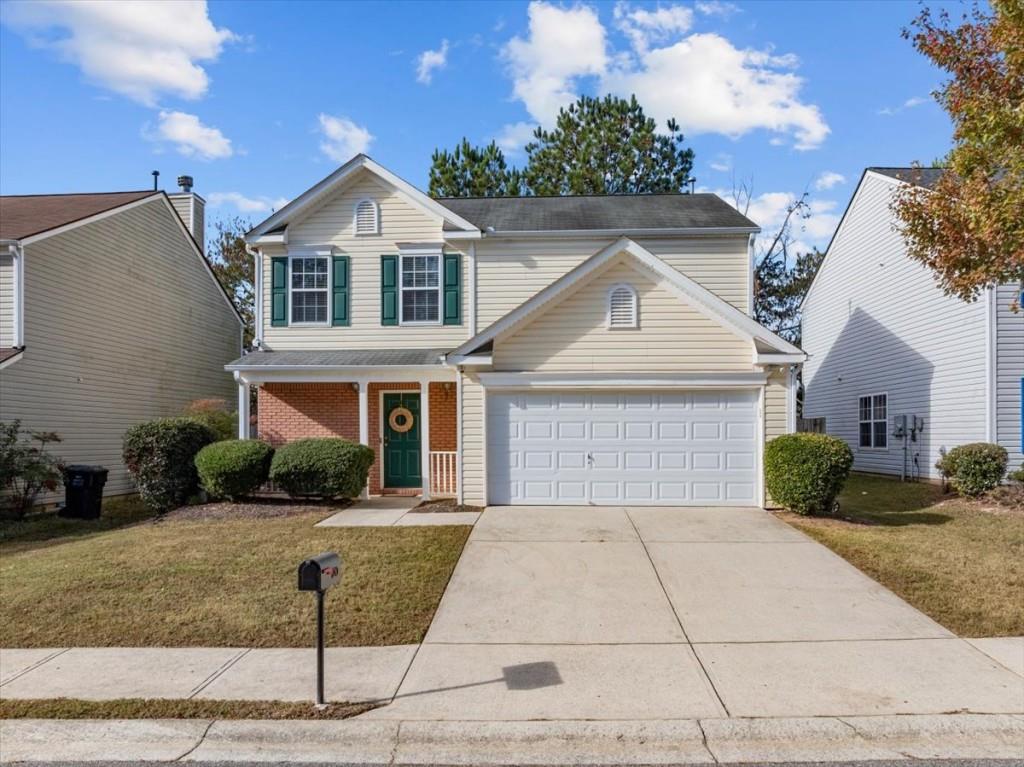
{"x": 682, "y": 741}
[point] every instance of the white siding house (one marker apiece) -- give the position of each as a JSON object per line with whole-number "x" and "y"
{"x": 884, "y": 341}
{"x": 115, "y": 319}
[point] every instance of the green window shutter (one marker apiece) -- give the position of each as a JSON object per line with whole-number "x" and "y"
{"x": 389, "y": 290}
{"x": 279, "y": 291}
{"x": 452, "y": 303}
{"x": 339, "y": 291}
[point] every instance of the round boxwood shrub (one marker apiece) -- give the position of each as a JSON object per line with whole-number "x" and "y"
{"x": 327, "y": 467}
{"x": 975, "y": 468}
{"x": 160, "y": 457}
{"x": 234, "y": 468}
{"x": 805, "y": 472}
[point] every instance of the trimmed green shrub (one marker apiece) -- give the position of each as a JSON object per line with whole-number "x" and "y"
{"x": 327, "y": 467}
{"x": 160, "y": 456}
{"x": 234, "y": 468}
{"x": 974, "y": 468}
{"x": 806, "y": 472}
{"x": 1018, "y": 475}
{"x": 215, "y": 414}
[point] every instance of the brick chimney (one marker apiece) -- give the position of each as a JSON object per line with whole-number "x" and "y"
{"x": 192, "y": 209}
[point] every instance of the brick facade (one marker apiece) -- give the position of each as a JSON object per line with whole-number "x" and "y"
{"x": 293, "y": 411}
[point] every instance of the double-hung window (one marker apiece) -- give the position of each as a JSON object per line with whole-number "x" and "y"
{"x": 421, "y": 289}
{"x": 309, "y": 287}
{"x": 874, "y": 421}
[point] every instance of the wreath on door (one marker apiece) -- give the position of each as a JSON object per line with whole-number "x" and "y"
{"x": 400, "y": 420}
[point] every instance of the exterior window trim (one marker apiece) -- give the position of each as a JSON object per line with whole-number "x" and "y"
{"x": 376, "y": 218}
{"x": 634, "y": 323}
{"x": 872, "y": 420}
{"x": 326, "y": 256}
{"x": 402, "y": 289}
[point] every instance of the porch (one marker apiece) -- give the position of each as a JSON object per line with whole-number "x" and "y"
{"x": 407, "y": 413}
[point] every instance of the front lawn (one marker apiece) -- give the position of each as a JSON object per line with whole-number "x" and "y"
{"x": 954, "y": 560}
{"x": 186, "y": 580}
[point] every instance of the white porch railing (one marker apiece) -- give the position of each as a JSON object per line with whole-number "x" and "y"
{"x": 444, "y": 474}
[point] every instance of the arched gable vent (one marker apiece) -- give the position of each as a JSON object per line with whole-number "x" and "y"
{"x": 367, "y": 217}
{"x": 622, "y": 306}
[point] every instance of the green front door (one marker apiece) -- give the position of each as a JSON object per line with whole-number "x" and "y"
{"x": 402, "y": 440}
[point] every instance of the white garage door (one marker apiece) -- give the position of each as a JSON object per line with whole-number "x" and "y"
{"x": 657, "y": 448}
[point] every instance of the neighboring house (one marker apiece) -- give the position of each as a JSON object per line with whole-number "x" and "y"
{"x": 885, "y": 345}
{"x": 109, "y": 316}
{"x": 535, "y": 350}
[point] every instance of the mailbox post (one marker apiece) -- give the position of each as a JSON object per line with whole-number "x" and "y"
{"x": 317, "y": 575}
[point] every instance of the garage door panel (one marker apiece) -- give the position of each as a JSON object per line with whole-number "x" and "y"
{"x": 607, "y": 448}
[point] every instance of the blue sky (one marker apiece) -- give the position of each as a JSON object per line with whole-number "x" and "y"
{"x": 258, "y": 101}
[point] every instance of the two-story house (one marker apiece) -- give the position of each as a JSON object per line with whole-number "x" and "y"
{"x": 110, "y": 315}
{"x": 897, "y": 368}
{"x": 535, "y": 350}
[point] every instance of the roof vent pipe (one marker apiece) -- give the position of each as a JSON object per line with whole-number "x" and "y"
{"x": 156, "y": 180}
{"x": 185, "y": 182}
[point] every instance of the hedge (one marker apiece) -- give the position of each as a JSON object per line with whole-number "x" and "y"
{"x": 327, "y": 467}
{"x": 806, "y": 472}
{"x": 234, "y": 468}
{"x": 974, "y": 468}
{"x": 160, "y": 457}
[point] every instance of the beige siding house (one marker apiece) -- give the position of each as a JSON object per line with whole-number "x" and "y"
{"x": 556, "y": 351}
{"x": 109, "y": 316}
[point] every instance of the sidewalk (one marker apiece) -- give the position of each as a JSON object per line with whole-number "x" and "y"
{"x": 359, "y": 741}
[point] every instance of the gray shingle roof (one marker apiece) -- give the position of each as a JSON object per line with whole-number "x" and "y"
{"x": 924, "y": 177}
{"x": 340, "y": 358}
{"x": 22, "y": 215}
{"x": 621, "y": 213}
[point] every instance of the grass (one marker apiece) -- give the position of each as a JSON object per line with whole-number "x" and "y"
{"x": 959, "y": 563}
{"x": 137, "y": 580}
{"x": 140, "y": 708}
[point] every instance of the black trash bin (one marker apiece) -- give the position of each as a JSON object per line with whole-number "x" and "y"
{"x": 83, "y": 491}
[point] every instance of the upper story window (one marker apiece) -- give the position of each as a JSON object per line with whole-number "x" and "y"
{"x": 622, "y": 306}
{"x": 367, "y": 217}
{"x": 874, "y": 420}
{"x": 309, "y": 289}
{"x": 420, "y": 294}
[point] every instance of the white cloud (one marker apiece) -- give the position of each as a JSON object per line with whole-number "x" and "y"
{"x": 244, "y": 204}
{"x": 190, "y": 137}
{"x": 717, "y": 8}
{"x": 913, "y": 101}
{"x": 722, "y": 162}
{"x": 428, "y": 61}
{"x": 768, "y": 211}
{"x": 342, "y": 138}
{"x": 515, "y": 136}
{"x": 710, "y": 86}
{"x": 829, "y": 179}
{"x": 136, "y": 48}
{"x": 644, "y": 27}
{"x": 563, "y": 45}
{"x": 702, "y": 80}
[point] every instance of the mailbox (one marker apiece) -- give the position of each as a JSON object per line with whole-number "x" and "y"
{"x": 320, "y": 572}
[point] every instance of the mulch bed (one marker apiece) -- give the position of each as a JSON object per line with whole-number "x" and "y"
{"x": 443, "y": 506}
{"x": 257, "y": 508}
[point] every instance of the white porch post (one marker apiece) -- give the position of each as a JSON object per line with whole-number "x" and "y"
{"x": 243, "y": 407}
{"x": 364, "y": 422}
{"x": 425, "y": 436}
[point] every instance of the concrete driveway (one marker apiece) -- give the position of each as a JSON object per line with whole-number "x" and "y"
{"x": 660, "y": 613}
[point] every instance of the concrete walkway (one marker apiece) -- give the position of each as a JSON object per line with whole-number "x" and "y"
{"x": 395, "y": 510}
{"x": 655, "y": 613}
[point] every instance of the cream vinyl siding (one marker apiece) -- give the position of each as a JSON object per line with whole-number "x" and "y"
{"x": 876, "y": 322}
{"x": 473, "y": 460}
{"x": 775, "y": 402}
{"x": 1009, "y": 372}
{"x": 572, "y": 335}
{"x": 511, "y": 271}
{"x": 123, "y": 324}
{"x": 6, "y": 300}
{"x": 332, "y": 223}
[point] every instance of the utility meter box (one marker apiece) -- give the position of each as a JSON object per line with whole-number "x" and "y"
{"x": 321, "y": 572}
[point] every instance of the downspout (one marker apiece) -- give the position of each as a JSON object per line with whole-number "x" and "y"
{"x": 18, "y": 278}
{"x": 257, "y": 295}
{"x": 990, "y": 365}
{"x": 750, "y": 279}
{"x": 472, "y": 290}
{"x": 458, "y": 433}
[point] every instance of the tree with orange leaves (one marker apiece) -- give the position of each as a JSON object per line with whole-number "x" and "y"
{"x": 969, "y": 226}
